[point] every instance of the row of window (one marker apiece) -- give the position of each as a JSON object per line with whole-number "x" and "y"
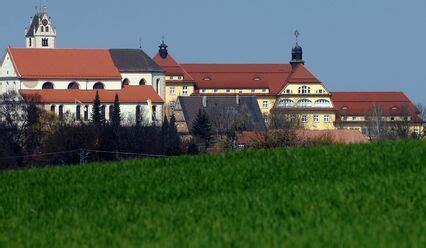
{"x": 72, "y": 86}
{"x": 305, "y": 91}
{"x": 304, "y": 118}
{"x": 304, "y": 103}
{"x": 43, "y": 29}
{"x": 9, "y": 86}
{"x": 172, "y": 90}
{"x": 239, "y": 91}
{"x": 138, "y": 112}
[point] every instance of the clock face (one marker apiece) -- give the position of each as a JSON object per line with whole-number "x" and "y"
{"x": 44, "y": 22}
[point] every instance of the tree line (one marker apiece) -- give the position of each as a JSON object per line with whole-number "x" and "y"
{"x": 33, "y": 137}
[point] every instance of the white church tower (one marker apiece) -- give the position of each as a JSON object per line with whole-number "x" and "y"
{"x": 41, "y": 33}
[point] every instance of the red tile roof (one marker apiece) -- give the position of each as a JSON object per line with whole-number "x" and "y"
{"x": 129, "y": 94}
{"x": 361, "y": 103}
{"x": 301, "y": 74}
{"x": 64, "y": 63}
{"x": 236, "y": 76}
{"x": 172, "y": 68}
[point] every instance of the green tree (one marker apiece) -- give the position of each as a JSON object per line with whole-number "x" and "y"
{"x": 116, "y": 115}
{"x": 201, "y": 128}
{"x": 97, "y": 117}
{"x": 173, "y": 138}
{"x": 165, "y": 135}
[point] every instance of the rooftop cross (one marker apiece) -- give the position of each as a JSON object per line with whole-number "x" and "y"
{"x": 297, "y": 34}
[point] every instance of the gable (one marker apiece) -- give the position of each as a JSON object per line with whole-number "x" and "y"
{"x": 7, "y": 69}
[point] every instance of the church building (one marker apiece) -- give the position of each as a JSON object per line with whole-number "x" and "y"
{"x": 66, "y": 80}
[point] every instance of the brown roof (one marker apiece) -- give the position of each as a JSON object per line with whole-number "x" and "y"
{"x": 32, "y": 63}
{"x": 172, "y": 68}
{"x": 361, "y": 103}
{"x": 129, "y": 94}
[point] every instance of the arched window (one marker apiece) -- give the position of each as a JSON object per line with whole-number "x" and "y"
{"x": 42, "y": 29}
{"x": 138, "y": 115}
{"x": 154, "y": 113}
{"x": 73, "y": 86}
{"x": 125, "y": 82}
{"x": 52, "y": 108}
{"x": 304, "y": 90}
{"x": 47, "y": 29}
{"x": 142, "y": 82}
{"x": 158, "y": 87}
{"x": 322, "y": 103}
{"x": 103, "y": 112}
{"x": 287, "y": 103}
{"x": 86, "y": 113}
{"x": 304, "y": 103}
{"x": 48, "y": 86}
{"x": 77, "y": 112}
{"x": 111, "y": 111}
{"x": 61, "y": 111}
{"x": 98, "y": 86}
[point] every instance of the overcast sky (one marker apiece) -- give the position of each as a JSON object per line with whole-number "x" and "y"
{"x": 351, "y": 45}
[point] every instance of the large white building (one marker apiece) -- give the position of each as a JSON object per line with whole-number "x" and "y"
{"x": 66, "y": 80}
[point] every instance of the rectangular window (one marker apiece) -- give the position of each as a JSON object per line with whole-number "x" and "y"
{"x": 263, "y": 90}
{"x": 203, "y": 90}
{"x": 172, "y": 90}
{"x": 86, "y": 113}
{"x": 180, "y": 78}
{"x": 228, "y": 91}
{"x": 316, "y": 118}
{"x": 304, "y": 118}
{"x": 215, "y": 90}
{"x": 354, "y": 118}
{"x": 240, "y": 91}
{"x": 171, "y": 77}
{"x": 253, "y": 91}
{"x": 265, "y": 104}
{"x": 288, "y": 91}
{"x": 326, "y": 118}
{"x": 392, "y": 118}
{"x": 416, "y": 131}
{"x": 344, "y": 118}
{"x": 292, "y": 118}
{"x": 185, "y": 90}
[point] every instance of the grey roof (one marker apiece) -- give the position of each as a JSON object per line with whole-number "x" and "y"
{"x": 34, "y": 25}
{"x": 133, "y": 60}
{"x": 221, "y": 110}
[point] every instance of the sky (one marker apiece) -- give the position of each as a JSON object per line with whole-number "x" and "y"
{"x": 350, "y": 45}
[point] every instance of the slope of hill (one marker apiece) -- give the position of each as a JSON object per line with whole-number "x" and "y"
{"x": 360, "y": 196}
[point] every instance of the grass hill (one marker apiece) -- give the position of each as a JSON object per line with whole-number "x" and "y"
{"x": 358, "y": 196}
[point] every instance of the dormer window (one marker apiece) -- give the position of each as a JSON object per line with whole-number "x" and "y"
{"x": 344, "y": 108}
{"x": 304, "y": 90}
{"x": 256, "y": 78}
{"x": 207, "y": 78}
{"x": 394, "y": 108}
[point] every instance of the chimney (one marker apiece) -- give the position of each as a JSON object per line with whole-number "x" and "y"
{"x": 205, "y": 101}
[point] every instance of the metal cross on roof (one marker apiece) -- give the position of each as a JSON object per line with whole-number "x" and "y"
{"x": 297, "y": 34}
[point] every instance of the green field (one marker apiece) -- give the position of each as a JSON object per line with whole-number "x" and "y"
{"x": 371, "y": 195}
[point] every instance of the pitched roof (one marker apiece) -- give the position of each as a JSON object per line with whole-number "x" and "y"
{"x": 129, "y": 94}
{"x": 301, "y": 74}
{"x": 222, "y": 107}
{"x": 246, "y": 76}
{"x": 172, "y": 68}
{"x": 133, "y": 60}
{"x": 33, "y": 63}
{"x": 362, "y": 103}
{"x": 35, "y": 23}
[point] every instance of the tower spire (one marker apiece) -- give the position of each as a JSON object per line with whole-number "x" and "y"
{"x": 163, "y": 49}
{"x": 297, "y": 52}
